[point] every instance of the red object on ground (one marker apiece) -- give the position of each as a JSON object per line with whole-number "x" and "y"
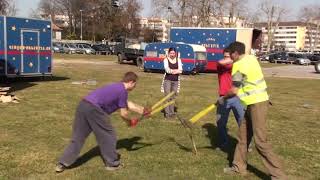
{"x": 134, "y": 122}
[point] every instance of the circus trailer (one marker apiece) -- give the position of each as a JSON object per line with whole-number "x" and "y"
{"x": 193, "y": 57}
{"x": 25, "y": 47}
{"x": 215, "y": 40}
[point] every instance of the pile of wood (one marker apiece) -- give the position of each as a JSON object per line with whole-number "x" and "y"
{"x": 6, "y": 97}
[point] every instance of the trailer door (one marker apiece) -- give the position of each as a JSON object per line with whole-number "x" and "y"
{"x": 30, "y": 58}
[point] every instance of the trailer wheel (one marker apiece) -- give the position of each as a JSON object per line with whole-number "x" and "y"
{"x": 140, "y": 63}
{"x": 120, "y": 59}
{"x": 194, "y": 72}
{"x": 317, "y": 66}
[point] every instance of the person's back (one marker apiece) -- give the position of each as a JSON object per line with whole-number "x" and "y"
{"x": 106, "y": 96}
{"x": 255, "y": 89}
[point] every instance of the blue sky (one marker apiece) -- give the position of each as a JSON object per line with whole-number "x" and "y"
{"x": 25, "y": 6}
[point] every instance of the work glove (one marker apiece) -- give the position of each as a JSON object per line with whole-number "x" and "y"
{"x": 134, "y": 122}
{"x": 147, "y": 111}
{"x": 221, "y": 100}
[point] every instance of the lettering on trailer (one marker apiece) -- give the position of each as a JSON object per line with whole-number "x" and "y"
{"x": 30, "y": 48}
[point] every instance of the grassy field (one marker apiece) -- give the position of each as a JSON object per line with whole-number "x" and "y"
{"x": 83, "y": 57}
{"x": 34, "y": 133}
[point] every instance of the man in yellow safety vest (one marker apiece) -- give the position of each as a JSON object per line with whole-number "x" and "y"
{"x": 249, "y": 85}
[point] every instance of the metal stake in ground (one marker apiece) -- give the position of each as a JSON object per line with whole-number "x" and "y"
{"x": 189, "y": 129}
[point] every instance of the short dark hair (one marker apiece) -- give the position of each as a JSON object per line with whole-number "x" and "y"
{"x": 226, "y": 50}
{"x": 130, "y": 76}
{"x": 237, "y": 46}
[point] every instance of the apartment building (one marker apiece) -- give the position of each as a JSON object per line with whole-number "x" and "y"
{"x": 293, "y": 36}
{"x": 159, "y": 25}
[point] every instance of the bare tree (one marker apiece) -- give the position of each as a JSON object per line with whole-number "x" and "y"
{"x": 180, "y": 10}
{"x": 203, "y": 13}
{"x": 8, "y": 8}
{"x": 100, "y": 19}
{"x": 3, "y": 6}
{"x": 273, "y": 14}
{"x": 236, "y": 11}
{"x": 311, "y": 16}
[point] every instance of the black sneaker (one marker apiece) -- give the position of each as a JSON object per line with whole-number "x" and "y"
{"x": 60, "y": 168}
{"x": 114, "y": 168}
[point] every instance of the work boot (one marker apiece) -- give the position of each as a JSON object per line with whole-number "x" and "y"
{"x": 234, "y": 170}
{"x": 60, "y": 168}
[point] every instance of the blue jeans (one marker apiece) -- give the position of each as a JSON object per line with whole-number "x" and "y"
{"x": 223, "y": 112}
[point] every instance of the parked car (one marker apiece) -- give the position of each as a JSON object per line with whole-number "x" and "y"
{"x": 85, "y": 48}
{"x": 132, "y": 53}
{"x": 299, "y": 58}
{"x": 314, "y": 58}
{"x": 70, "y": 48}
{"x": 278, "y": 56}
{"x": 102, "y": 49}
{"x": 317, "y": 66}
{"x": 57, "y": 48}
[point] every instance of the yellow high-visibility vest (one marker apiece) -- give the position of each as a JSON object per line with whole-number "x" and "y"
{"x": 254, "y": 87}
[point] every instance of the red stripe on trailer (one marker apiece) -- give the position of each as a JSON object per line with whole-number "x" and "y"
{"x": 41, "y": 53}
{"x": 161, "y": 59}
{"x": 14, "y": 52}
{"x": 152, "y": 59}
{"x": 45, "y": 53}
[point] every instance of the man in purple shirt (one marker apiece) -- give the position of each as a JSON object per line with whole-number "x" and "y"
{"x": 93, "y": 115}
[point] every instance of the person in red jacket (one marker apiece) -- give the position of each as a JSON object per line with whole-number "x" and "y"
{"x": 224, "y": 107}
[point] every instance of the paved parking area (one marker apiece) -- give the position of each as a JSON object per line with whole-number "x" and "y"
{"x": 292, "y": 71}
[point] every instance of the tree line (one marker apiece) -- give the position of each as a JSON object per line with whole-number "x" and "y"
{"x": 102, "y": 20}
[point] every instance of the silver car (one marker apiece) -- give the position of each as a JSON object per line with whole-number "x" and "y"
{"x": 298, "y": 58}
{"x": 70, "y": 48}
{"x": 86, "y": 49}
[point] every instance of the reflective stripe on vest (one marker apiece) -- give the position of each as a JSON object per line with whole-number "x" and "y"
{"x": 249, "y": 93}
{"x": 260, "y": 81}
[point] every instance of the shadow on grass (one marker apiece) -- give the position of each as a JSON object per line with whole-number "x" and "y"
{"x": 181, "y": 146}
{"x": 258, "y": 173}
{"x": 127, "y": 143}
{"x": 212, "y": 132}
{"x": 21, "y": 83}
{"x": 212, "y": 135}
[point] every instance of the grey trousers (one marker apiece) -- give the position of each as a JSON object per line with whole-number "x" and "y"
{"x": 89, "y": 119}
{"x": 168, "y": 87}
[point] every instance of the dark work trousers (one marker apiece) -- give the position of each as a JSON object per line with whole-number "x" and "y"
{"x": 170, "y": 86}
{"x": 255, "y": 122}
{"x": 90, "y": 118}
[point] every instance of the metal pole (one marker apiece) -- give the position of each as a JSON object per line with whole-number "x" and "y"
{"x": 81, "y": 24}
{"x": 169, "y": 22}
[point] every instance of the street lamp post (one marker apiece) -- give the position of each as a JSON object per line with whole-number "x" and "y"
{"x": 169, "y": 22}
{"x": 81, "y": 24}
